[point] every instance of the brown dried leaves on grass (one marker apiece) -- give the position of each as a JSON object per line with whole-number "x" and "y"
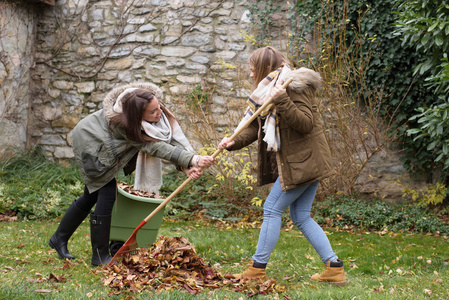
{"x": 172, "y": 263}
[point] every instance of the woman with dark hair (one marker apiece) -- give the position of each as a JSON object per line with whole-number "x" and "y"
{"x": 133, "y": 124}
{"x": 292, "y": 153}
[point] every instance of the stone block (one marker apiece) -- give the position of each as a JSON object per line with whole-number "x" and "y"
{"x": 52, "y": 139}
{"x": 54, "y": 93}
{"x": 119, "y": 64}
{"x": 220, "y": 12}
{"x": 178, "y": 51}
{"x": 147, "y": 27}
{"x": 180, "y": 89}
{"x": 63, "y": 85}
{"x": 120, "y": 52}
{"x": 48, "y": 113}
{"x": 226, "y": 55}
{"x": 196, "y": 39}
{"x": 85, "y": 87}
{"x": 175, "y": 63}
{"x": 87, "y": 51}
{"x": 236, "y": 47}
{"x": 137, "y": 21}
{"x": 189, "y": 79}
{"x": 63, "y": 152}
{"x": 200, "y": 59}
{"x": 147, "y": 51}
{"x": 67, "y": 121}
{"x": 97, "y": 14}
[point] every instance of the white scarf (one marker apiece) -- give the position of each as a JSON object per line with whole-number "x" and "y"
{"x": 269, "y": 115}
{"x": 148, "y": 174}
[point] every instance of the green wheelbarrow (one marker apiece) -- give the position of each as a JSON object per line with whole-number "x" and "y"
{"x": 127, "y": 214}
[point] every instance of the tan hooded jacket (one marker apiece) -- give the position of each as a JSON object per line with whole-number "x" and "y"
{"x": 304, "y": 155}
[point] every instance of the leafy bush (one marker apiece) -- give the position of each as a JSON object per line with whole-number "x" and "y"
{"x": 424, "y": 24}
{"x": 433, "y": 122}
{"x": 432, "y": 194}
{"x": 32, "y": 187}
{"x": 349, "y": 213}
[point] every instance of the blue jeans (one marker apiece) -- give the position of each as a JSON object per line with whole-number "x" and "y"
{"x": 299, "y": 201}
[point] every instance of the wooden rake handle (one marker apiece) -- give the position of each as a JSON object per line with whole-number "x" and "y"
{"x": 218, "y": 151}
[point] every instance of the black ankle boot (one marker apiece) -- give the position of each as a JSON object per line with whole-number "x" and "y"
{"x": 100, "y": 227}
{"x": 69, "y": 223}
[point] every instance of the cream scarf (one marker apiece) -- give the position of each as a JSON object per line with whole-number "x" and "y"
{"x": 148, "y": 173}
{"x": 269, "y": 115}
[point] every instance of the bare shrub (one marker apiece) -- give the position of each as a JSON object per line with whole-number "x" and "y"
{"x": 353, "y": 126}
{"x": 351, "y": 112}
{"x": 210, "y": 111}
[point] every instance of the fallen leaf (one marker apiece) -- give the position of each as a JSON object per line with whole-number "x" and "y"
{"x": 67, "y": 264}
{"x": 57, "y": 278}
{"x": 287, "y": 277}
{"x": 309, "y": 257}
{"x": 428, "y": 292}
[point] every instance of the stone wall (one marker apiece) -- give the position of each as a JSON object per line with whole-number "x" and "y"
{"x": 16, "y": 59}
{"x": 86, "y": 48}
{"x": 58, "y": 62}
{"x": 384, "y": 177}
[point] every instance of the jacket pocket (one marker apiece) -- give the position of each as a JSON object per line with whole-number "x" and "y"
{"x": 300, "y": 156}
{"x": 97, "y": 163}
{"x": 302, "y": 166}
{"x": 92, "y": 165}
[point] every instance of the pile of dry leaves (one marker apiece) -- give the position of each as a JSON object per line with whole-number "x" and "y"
{"x": 172, "y": 263}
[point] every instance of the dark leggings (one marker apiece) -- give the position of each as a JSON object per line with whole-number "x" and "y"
{"x": 104, "y": 198}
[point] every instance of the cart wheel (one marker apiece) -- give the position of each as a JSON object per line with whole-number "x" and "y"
{"x": 114, "y": 246}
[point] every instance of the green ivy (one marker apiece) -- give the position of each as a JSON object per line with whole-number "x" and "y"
{"x": 377, "y": 216}
{"x": 434, "y": 122}
{"x": 425, "y": 25}
{"x": 260, "y": 17}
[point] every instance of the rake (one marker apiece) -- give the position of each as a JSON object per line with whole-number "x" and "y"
{"x": 130, "y": 245}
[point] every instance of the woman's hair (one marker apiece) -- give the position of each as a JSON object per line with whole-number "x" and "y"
{"x": 264, "y": 61}
{"x": 130, "y": 119}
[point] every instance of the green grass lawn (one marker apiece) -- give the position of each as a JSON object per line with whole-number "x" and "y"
{"x": 402, "y": 266}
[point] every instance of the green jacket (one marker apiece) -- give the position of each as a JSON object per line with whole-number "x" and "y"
{"x": 100, "y": 153}
{"x": 304, "y": 155}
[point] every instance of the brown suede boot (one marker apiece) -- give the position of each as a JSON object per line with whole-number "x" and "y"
{"x": 252, "y": 273}
{"x": 334, "y": 273}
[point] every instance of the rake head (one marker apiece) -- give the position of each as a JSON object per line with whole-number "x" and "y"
{"x": 129, "y": 247}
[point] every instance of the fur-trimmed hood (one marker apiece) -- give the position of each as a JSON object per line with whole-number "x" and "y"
{"x": 111, "y": 97}
{"x": 302, "y": 78}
